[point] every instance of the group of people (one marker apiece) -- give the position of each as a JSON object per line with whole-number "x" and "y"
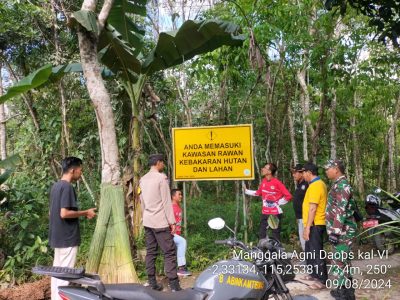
{"x": 317, "y": 212}
{"x": 162, "y": 217}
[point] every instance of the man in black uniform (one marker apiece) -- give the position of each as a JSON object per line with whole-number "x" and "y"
{"x": 64, "y": 234}
{"x": 300, "y": 192}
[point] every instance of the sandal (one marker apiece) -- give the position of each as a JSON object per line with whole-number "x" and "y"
{"x": 309, "y": 277}
{"x": 317, "y": 285}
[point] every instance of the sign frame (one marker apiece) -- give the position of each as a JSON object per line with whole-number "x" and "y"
{"x": 177, "y": 173}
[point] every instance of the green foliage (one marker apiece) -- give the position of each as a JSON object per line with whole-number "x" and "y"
{"x": 17, "y": 268}
{"x": 24, "y": 233}
{"x": 220, "y": 87}
{"x": 192, "y": 38}
{"x": 86, "y": 19}
{"x": 34, "y": 80}
{"x": 383, "y": 15}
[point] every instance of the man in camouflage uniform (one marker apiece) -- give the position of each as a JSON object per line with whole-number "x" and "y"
{"x": 341, "y": 227}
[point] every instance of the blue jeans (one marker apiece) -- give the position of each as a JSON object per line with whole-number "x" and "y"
{"x": 180, "y": 243}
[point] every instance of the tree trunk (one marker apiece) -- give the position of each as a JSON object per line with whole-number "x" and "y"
{"x": 380, "y": 173}
{"x": 305, "y": 101}
{"x": 237, "y": 212}
{"x": 26, "y": 97}
{"x": 135, "y": 91}
{"x": 301, "y": 78}
{"x": 292, "y": 134}
{"x": 110, "y": 244}
{"x": 333, "y": 126}
{"x": 184, "y": 98}
{"x": 322, "y": 104}
{"x": 392, "y": 186}
{"x": 356, "y": 151}
{"x": 3, "y": 132}
{"x": 391, "y": 183}
{"x": 65, "y": 140}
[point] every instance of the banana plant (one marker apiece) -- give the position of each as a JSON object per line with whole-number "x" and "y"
{"x": 120, "y": 50}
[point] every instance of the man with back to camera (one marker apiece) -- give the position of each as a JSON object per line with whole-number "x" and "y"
{"x": 158, "y": 222}
{"x": 273, "y": 194}
{"x": 298, "y": 198}
{"x": 64, "y": 234}
{"x": 314, "y": 205}
{"x": 341, "y": 227}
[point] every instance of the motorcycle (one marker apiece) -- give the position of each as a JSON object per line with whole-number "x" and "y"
{"x": 378, "y": 216}
{"x": 235, "y": 278}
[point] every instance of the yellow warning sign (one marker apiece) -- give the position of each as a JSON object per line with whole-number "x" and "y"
{"x": 213, "y": 152}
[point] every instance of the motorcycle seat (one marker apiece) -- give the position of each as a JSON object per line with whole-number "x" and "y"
{"x": 131, "y": 291}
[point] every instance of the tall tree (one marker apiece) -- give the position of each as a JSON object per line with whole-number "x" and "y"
{"x": 109, "y": 252}
{"x": 3, "y": 133}
{"x": 383, "y": 16}
{"x": 111, "y": 256}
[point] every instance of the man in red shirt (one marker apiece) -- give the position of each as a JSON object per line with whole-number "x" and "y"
{"x": 273, "y": 194}
{"x": 180, "y": 242}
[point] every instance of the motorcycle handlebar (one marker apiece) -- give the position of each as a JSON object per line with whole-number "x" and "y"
{"x": 221, "y": 242}
{"x": 231, "y": 243}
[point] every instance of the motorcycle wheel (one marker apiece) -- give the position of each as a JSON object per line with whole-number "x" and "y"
{"x": 383, "y": 241}
{"x": 283, "y": 297}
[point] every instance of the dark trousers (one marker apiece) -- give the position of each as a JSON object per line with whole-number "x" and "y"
{"x": 160, "y": 237}
{"x": 314, "y": 251}
{"x": 276, "y": 233}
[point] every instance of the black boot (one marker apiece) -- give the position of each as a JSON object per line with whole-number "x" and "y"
{"x": 339, "y": 293}
{"x": 334, "y": 293}
{"x": 174, "y": 285}
{"x": 154, "y": 285}
{"x": 351, "y": 294}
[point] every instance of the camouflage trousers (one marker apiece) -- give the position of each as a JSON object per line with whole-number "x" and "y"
{"x": 341, "y": 262}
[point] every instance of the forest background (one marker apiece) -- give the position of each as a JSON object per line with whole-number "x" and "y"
{"x": 314, "y": 83}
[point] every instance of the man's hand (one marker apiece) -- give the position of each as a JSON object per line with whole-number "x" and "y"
{"x": 173, "y": 228}
{"x": 282, "y": 201}
{"x": 90, "y": 213}
{"x": 306, "y": 234}
{"x": 250, "y": 192}
{"x": 333, "y": 239}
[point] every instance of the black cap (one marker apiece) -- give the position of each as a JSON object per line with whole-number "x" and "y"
{"x": 154, "y": 158}
{"x": 310, "y": 167}
{"x": 297, "y": 168}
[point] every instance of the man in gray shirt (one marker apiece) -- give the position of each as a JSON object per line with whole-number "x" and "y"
{"x": 158, "y": 222}
{"x": 64, "y": 235}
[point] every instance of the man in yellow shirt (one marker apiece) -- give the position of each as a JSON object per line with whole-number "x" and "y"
{"x": 314, "y": 205}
